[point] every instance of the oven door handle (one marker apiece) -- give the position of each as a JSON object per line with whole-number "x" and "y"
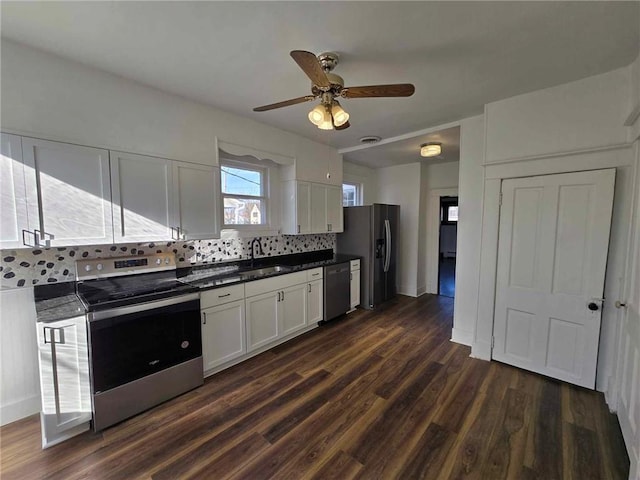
{"x": 141, "y": 307}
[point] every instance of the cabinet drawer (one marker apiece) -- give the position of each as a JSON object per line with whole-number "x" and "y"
{"x": 355, "y": 265}
{"x": 275, "y": 283}
{"x": 314, "y": 274}
{"x": 218, "y": 296}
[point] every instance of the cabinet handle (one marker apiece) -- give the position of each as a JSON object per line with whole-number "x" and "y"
{"x": 225, "y": 295}
{"x": 39, "y": 234}
{"x": 350, "y": 276}
{"x": 24, "y": 238}
{"x": 298, "y": 228}
{"x": 283, "y": 296}
{"x": 204, "y": 318}
{"x": 309, "y": 288}
{"x": 278, "y": 296}
{"x": 315, "y": 274}
{"x": 54, "y": 360}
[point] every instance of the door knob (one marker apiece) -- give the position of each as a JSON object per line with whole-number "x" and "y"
{"x": 593, "y": 306}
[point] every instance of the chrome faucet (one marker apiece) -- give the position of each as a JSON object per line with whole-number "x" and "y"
{"x": 252, "y": 248}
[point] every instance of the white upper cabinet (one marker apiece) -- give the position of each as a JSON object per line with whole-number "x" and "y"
{"x": 68, "y": 193}
{"x": 296, "y": 207}
{"x": 196, "y": 200}
{"x": 311, "y": 208}
{"x": 13, "y": 202}
{"x": 334, "y": 209}
{"x": 143, "y": 198}
{"x": 318, "y": 208}
{"x": 159, "y": 199}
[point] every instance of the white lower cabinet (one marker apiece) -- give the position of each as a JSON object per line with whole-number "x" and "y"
{"x": 223, "y": 334}
{"x": 355, "y": 283}
{"x": 294, "y": 309}
{"x": 315, "y": 302}
{"x": 64, "y": 379}
{"x": 262, "y": 319}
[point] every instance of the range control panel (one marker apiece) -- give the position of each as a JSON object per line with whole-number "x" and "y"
{"x": 118, "y": 266}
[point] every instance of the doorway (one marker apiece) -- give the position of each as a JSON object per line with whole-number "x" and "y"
{"x": 448, "y": 236}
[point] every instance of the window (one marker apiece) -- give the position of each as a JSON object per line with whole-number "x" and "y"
{"x": 351, "y": 194}
{"x": 244, "y": 193}
{"x": 452, "y": 213}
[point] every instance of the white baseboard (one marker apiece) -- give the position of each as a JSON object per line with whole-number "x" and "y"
{"x": 15, "y": 411}
{"x": 481, "y": 350}
{"x": 462, "y": 336}
{"x": 406, "y": 291}
{"x": 422, "y": 290}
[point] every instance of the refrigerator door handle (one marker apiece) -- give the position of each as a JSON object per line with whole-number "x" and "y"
{"x": 387, "y": 249}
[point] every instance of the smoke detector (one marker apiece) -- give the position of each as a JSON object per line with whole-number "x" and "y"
{"x": 370, "y": 139}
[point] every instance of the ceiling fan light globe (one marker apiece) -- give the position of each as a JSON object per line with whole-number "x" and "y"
{"x": 326, "y": 125}
{"x": 316, "y": 116}
{"x": 340, "y": 117}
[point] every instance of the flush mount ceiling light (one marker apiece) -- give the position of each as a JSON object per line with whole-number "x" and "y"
{"x": 431, "y": 149}
{"x": 328, "y": 86}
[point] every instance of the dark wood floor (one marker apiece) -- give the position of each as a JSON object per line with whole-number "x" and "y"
{"x": 375, "y": 395}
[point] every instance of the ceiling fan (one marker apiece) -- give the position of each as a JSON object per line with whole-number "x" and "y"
{"x": 327, "y": 86}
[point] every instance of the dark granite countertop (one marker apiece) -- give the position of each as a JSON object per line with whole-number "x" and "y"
{"x": 207, "y": 277}
{"x": 59, "y": 301}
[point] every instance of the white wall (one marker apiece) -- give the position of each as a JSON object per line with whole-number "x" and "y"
{"x": 46, "y": 96}
{"x": 569, "y": 118}
{"x": 19, "y": 379}
{"x": 366, "y": 177}
{"x": 439, "y": 179}
{"x": 470, "y": 191}
{"x": 400, "y": 185}
{"x": 576, "y": 126}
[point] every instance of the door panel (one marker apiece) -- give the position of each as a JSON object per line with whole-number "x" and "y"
{"x": 68, "y": 192}
{"x": 197, "y": 200}
{"x": 143, "y": 198}
{"x": 553, "y": 242}
{"x": 262, "y": 313}
{"x": 294, "y": 309}
{"x": 13, "y": 201}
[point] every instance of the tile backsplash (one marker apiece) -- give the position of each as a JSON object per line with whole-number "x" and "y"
{"x": 27, "y": 267}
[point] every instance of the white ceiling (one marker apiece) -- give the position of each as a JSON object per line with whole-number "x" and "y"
{"x": 235, "y": 55}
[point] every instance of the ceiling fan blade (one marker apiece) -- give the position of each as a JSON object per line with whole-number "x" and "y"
{"x": 286, "y": 103}
{"x": 310, "y": 65}
{"x": 343, "y": 126}
{"x": 395, "y": 90}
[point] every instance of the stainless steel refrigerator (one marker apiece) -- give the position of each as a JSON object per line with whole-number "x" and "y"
{"x": 371, "y": 233}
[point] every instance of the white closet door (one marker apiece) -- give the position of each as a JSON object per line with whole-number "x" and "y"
{"x": 553, "y": 242}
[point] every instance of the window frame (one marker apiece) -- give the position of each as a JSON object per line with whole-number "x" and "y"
{"x": 358, "y": 194}
{"x": 264, "y": 198}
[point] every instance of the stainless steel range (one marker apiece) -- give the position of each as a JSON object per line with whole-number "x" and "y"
{"x": 145, "y": 343}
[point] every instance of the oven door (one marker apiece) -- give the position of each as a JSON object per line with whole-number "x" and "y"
{"x": 134, "y": 341}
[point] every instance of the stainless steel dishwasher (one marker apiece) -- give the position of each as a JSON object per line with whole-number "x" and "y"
{"x": 337, "y": 290}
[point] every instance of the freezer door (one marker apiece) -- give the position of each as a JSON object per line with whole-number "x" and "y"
{"x": 393, "y": 219}
{"x": 378, "y": 275}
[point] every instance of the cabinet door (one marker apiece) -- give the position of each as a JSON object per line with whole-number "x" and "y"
{"x": 319, "y": 222}
{"x": 64, "y": 379}
{"x": 303, "y": 207}
{"x": 13, "y": 201}
{"x": 355, "y": 288}
{"x": 68, "y": 193}
{"x": 223, "y": 334}
{"x": 197, "y": 202}
{"x": 143, "y": 208}
{"x": 315, "y": 297}
{"x": 262, "y": 319}
{"x": 294, "y": 309}
{"x": 334, "y": 209}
